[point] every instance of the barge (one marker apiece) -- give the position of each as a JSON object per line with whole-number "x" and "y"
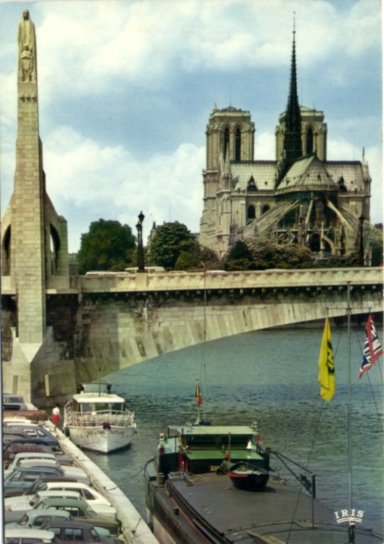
{"x": 190, "y": 498}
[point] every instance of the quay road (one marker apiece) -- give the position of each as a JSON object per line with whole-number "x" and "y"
{"x": 94, "y": 282}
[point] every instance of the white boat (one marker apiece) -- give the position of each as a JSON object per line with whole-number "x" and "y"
{"x": 99, "y": 420}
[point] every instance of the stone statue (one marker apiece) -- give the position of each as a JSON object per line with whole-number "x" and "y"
{"x": 27, "y": 49}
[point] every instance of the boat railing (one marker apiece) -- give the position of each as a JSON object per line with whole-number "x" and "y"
{"x": 89, "y": 419}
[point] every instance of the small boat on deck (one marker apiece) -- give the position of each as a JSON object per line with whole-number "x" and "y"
{"x": 99, "y": 420}
{"x": 246, "y": 476}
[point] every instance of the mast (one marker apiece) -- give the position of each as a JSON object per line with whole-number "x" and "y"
{"x": 351, "y": 525}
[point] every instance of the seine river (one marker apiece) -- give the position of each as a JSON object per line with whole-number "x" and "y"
{"x": 269, "y": 377}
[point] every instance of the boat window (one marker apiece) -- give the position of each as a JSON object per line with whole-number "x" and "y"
{"x": 219, "y": 441}
{"x": 86, "y": 407}
{"x": 117, "y": 406}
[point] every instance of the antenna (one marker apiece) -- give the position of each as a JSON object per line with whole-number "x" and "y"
{"x": 230, "y": 96}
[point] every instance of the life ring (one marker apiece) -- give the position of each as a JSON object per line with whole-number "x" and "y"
{"x": 106, "y": 426}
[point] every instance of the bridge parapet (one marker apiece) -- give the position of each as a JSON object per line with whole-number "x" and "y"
{"x": 104, "y": 282}
{"x": 217, "y": 280}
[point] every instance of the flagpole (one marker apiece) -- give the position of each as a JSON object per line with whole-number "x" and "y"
{"x": 351, "y": 528}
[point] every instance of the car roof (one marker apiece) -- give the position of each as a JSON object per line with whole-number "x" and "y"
{"x": 34, "y": 454}
{"x": 28, "y": 532}
{"x": 38, "y": 462}
{"x": 64, "y": 501}
{"x": 44, "y": 468}
{"x": 68, "y": 493}
{"x": 69, "y": 523}
{"x": 52, "y": 512}
{"x": 71, "y": 483}
{"x": 55, "y": 478}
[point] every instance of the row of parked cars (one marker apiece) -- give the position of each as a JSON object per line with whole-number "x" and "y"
{"x": 48, "y": 500}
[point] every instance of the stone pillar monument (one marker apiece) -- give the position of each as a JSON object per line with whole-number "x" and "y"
{"x": 34, "y": 243}
{"x": 27, "y": 229}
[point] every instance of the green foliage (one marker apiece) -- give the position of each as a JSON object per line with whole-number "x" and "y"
{"x": 168, "y": 242}
{"x": 263, "y": 253}
{"x": 209, "y": 260}
{"x": 239, "y": 257}
{"x": 188, "y": 260}
{"x": 108, "y": 245}
{"x": 376, "y": 244}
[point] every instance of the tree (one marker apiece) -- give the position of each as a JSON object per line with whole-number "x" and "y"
{"x": 269, "y": 254}
{"x": 239, "y": 257}
{"x": 168, "y": 242}
{"x": 375, "y": 244}
{"x": 108, "y": 245}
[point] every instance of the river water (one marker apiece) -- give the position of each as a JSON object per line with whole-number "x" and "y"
{"x": 270, "y": 377}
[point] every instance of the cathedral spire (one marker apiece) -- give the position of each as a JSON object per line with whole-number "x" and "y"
{"x": 292, "y": 140}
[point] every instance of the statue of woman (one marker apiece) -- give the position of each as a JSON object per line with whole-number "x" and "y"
{"x": 27, "y": 49}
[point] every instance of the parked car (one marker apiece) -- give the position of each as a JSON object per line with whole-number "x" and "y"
{"x": 32, "y": 430}
{"x": 14, "y": 402}
{"x": 16, "y": 447}
{"x": 37, "y": 519}
{"x": 37, "y": 485}
{"x": 79, "y": 509}
{"x": 78, "y": 531}
{"x": 33, "y": 518}
{"x": 34, "y": 455}
{"x": 29, "y": 536}
{"x": 27, "y": 502}
{"x": 92, "y": 497}
{"x": 22, "y": 477}
{"x": 15, "y": 435}
{"x": 71, "y": 471}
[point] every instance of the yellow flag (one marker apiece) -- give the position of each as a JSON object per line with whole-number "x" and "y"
{"x": 326, "y": 365}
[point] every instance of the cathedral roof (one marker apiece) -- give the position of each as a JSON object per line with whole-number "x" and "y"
{"x": 263, "y": 172}
{"x": 307, "y": 174}
{"x": 303, "y": 175}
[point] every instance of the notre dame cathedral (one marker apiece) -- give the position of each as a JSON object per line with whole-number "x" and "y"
{"x": 300, "y": 197}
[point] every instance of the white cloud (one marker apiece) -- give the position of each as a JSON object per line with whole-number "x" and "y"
{"x": 93, "y": 45}
{"x": 107, "y": 182}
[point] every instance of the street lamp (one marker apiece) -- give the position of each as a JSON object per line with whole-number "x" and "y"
{"x": 140, "y": 249}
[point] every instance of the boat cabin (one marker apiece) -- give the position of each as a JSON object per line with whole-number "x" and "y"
{"x": 91, "y": 403}
{"x": 205, "y": 448}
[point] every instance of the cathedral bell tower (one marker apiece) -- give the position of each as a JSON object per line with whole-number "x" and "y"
{"x": 230, "y": 138}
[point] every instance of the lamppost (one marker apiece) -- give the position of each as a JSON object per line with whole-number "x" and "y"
{"x": 361, "y": 240}
{"x": 140, "y": 249}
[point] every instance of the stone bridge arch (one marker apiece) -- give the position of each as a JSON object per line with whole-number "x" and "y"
{"x": 129, "y": 327}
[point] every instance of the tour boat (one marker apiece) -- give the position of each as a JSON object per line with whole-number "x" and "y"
{"x": 97, "y": 419}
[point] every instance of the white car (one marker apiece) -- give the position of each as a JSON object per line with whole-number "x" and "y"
{"x": 92, "y": 497}
{"x": 22, "y": 456}
{"x": 63, "y": 490}
{"x": 28, "y": 535}
{"x": 29, "y": 502}
{"x": 70, "y": 471}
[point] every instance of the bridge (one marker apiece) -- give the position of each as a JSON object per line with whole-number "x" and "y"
{"x": 103, "y": 322}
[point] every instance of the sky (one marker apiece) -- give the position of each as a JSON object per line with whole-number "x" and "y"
{"x": 126, "y": 88}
